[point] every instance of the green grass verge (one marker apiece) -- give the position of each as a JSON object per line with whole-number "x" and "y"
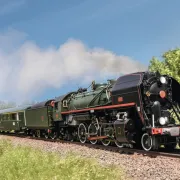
{"x": 26, "y": 163}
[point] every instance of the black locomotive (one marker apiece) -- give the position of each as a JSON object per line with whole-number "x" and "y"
{"x": 136, "y": 110}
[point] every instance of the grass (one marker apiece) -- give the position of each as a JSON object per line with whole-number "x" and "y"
{"x": 26, "y": 163}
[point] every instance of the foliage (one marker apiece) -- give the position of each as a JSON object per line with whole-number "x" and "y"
{"x": 25, "y": 163}
{"x": 170, "y": 64}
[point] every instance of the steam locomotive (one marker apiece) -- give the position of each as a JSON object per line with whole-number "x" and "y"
{"x": 137, "y": 110}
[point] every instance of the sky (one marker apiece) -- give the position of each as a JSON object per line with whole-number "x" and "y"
{"x": 50, "y": 48}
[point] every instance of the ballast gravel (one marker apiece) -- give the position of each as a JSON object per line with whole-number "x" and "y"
{"x": 136, "y": 167}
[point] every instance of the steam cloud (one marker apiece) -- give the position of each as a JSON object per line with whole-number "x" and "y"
{"x": 27, "y": 70}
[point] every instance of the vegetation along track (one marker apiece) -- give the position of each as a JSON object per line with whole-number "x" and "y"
{"x": 153, "y": 154}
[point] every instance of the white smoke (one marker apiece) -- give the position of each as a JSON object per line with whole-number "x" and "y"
{"x": 26, "y": 69}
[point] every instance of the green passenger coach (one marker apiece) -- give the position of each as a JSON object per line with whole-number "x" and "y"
{"x": 13, "y": 119}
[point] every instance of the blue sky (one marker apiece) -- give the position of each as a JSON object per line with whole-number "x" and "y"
{"x": 138, "y": 29}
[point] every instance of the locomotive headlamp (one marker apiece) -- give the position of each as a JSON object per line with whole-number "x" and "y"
{"x": 162, "y": 94}
{"x": 163, "y": 120}
{"x": 163, "y": 80}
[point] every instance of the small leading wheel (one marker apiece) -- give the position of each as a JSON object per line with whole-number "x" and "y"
{"x": 146, "y": 142}
{"x": 82, "y": 131}
{"x": 93, "y": 130}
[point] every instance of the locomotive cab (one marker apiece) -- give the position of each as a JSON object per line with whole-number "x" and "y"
{"x": 127, "y": 92}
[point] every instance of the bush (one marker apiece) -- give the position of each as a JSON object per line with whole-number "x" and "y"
{"x": 26, "y": 163}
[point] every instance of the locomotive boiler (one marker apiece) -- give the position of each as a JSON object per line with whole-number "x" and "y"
{"x": 82, "y": 109}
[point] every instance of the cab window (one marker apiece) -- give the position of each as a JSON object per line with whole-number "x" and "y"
{"x": 56, "y": 106}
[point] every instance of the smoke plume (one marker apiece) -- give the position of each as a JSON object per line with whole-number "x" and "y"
{"x": 27, "y": 69}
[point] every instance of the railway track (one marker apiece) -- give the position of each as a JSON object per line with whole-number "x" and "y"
{"x": 152, "y": 154}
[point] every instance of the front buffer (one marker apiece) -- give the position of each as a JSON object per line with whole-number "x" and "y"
{"x": 155, "y": 137}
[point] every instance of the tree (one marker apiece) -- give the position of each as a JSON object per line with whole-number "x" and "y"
{"x": 170, "y": 64}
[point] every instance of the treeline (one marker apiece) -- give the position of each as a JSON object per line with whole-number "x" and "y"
{"x": 169, "y": 64}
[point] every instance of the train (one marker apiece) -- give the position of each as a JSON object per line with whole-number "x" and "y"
{"x": 137, "y": 110}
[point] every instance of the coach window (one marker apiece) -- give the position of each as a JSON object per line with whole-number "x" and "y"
{"x": 13, "y": 116}
{"x": 21, "y": 116}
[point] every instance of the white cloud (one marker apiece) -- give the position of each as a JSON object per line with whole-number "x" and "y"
{"x": 26, "y": 69}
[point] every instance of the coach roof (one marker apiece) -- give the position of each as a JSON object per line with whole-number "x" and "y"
{"x": 15, "y": 109}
